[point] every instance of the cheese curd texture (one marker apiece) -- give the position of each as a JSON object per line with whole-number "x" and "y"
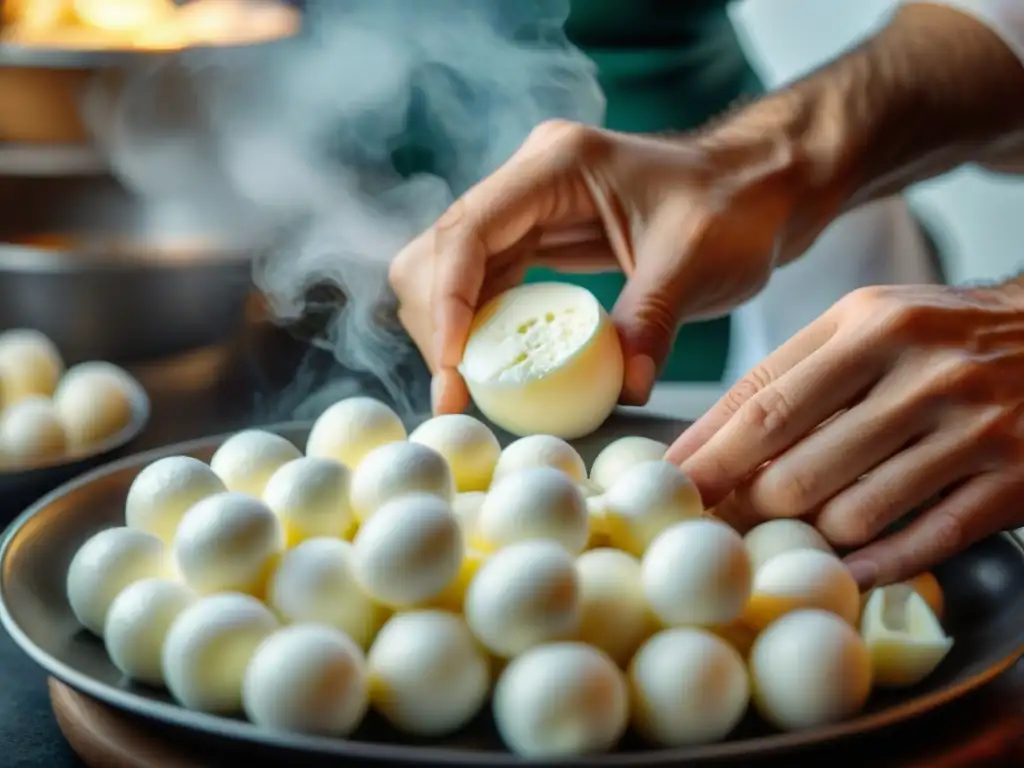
{"x": 395, "y": 470}
{"x": 467, "y": 444}
{"x": 306, "y": 678}
{"x": 311, "y": 498}
{"x": 561, "y": 700}
{"x": 246, "y": 461}
{"x": 208, "y": 648}
{"x": 428, "y": 677}
{"x": 229, "y": 542}
{"x": 352, "y": 428}
{"x": 106, "y": 564}
{"x": 165, "y": 490}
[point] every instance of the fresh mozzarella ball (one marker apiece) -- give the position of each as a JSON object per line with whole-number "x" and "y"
{"x": 164, "y": 491}
{"x": 537, "y": 503}
{"x": 466, "y": 507}
{"x": 137, "y": 625}
{"x": 828, "y": 658}
{"x": 544, "y": 358}
{"x": 228, "y": 542}
{"x": 802, "y": 578}
{"x": 306, "y": 678}
{"x": 409, "y": 551}
{"x": 561, "y": 700}
{"x": 613, "y": 612}
{"x": 689, "y": 687}
{"x": 467, "y": 444}
{"x": 903, "y": 636}
{"x": 94, "y": 401}
{"x": 428, "y": 677}
{"x": 352, "y": 428}
{"x": 774, "y": 537}
{"x": 395, "y": 470}
{"x": 540, "y": 451}
{"x": 310, "y": 496}
{"x": 29, "y": 365}
{"x": 697, "y": 572}
{"x": 208, "y": 648}
{"x": 645, "y": 500}
{"x": 620, "y": 455}
{"x": 105, "y": 565}
{"x": 246, "y": 460}
{"x": 31, "y": 433}
{"x": 315, "y": 582}
{"x": 525, "y": 595}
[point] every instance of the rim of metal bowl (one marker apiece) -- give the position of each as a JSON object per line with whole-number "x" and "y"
{"x": 141, "y": 411}
{"x": 175, "y": 715}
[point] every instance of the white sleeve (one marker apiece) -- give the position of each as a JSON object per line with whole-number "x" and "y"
{"x": 1004, "y": 17}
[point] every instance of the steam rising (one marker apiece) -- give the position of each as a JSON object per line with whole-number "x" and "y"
{"x": 294, "y": 143}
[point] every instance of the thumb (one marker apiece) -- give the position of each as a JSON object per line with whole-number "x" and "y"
{"x": 648, "y": 312}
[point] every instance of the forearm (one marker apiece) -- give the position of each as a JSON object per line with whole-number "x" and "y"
{"x": 934, "y": 89}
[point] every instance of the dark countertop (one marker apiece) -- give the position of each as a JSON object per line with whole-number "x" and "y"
{"x": 249, "y": 382}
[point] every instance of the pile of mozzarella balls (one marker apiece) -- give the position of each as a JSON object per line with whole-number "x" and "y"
{"x": 429, "y": 575}
{"x": 48, "y": 414}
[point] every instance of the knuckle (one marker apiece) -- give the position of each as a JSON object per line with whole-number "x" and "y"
{"x": 767, "y": 414}
{"x": 854, "y": 525}
{"x": 882, "y": 310}
{"x": 956, "y": 378}
{"x": 564, "y": 136}
{"x": 782, "y": 492}
{"x": 949, "y": 529}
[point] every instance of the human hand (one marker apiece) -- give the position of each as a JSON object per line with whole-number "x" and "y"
{"x": 693, "y": 223}
{"x": 892, "y": 397}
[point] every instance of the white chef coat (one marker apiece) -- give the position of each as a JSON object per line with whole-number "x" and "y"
{"x": 878, "y": 244}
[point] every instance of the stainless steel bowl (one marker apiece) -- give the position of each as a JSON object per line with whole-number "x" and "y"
{"x": 109, "y": 276}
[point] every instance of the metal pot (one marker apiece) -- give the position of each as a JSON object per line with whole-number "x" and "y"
{"x": 107, "y": 275}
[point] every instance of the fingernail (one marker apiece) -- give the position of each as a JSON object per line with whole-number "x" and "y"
{"x": 640, "y": 373}
{"x": 436, "y": 392}
{"x": 864, "y": 572}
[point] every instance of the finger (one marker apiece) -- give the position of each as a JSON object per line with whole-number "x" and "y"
{"x": 779, "y": 415}
{"x": 798, "y": 348}
{"x": 983, "y": 506}
{"x": 833, "y": 457}
{"x": 448, "y": 392}
{"x": 578, "y": 258}
{"x": 864, "y": 510}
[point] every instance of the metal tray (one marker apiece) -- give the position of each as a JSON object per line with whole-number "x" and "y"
{"x": 984, "y": 589}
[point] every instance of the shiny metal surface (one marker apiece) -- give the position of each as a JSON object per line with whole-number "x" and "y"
{"x": 109, "y": 276}
{"x": 20, "y": 487}
{"x": 984, "y": 595}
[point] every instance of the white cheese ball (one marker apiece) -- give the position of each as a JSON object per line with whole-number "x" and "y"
{"x": 31, "y": 433}
{"x": 620, "y": 455}
{"x": 774, "y": 537}
{"x": 137, "y": 625}
{"x": 467, "y": 444}
{"x": 352, "y": 428}
{"x": 106, "y": 564}
{"x": 646, "y": 499}
{"x": 802, "y": 578}
{"x": 525, "y": 595}
{"x": 246, "y": 461}
{"x": 544, "y": 358}
{"x": 826, "y": 658}
{"x": 537, "y": 503}
{"x": 94, "y": 402}
{"x": 689, "y": 687}
{"x": 310, "y": 496}
{"x": 306, "y": 678}
{"x": 229, "y": 542}
{"x": 540, "y": 451}
{"x": 904, "y": 638}
{"x": 428, "y": 677}
{"x": 409, "y": 551}
{"x": 561, "y": 700}
{"x": 697, "y": 573}
{"x": 30, "y": 365}
{"x": 613, "y": 612}
{"x": 395, "y": 470}
{"x": 164, "y": 491}
{"x": 316, "y": 583}
{"x": 208, "y": 648}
